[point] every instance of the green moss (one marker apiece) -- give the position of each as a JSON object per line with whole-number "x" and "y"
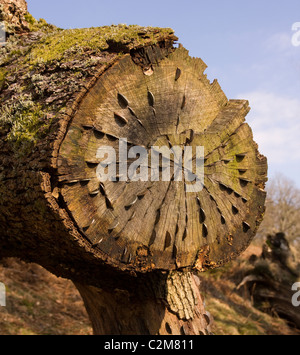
{"x": 38, "y": 25}
{"x": 30, "y": 19}
{"x": 30, "y": 68}
{"x": 26, "y": 120}
{"x": 27, "y": 124}
{"x": 3, "y": 74}
{"x": 68, "y": 44}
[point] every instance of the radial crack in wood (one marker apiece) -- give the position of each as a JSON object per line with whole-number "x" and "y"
{"x": 140, "y": 95}
{"x": 148, "y": 216}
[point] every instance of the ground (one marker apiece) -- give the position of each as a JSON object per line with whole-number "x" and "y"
{"x": 232, "y": 310}
{"x": 39, "y": 303}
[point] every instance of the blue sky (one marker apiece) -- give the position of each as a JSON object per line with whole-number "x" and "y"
{"x": 246, "y": 45}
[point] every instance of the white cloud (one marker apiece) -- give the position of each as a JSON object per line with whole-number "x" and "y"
{"x": 275, "y": 121}
{"x": 280, "y": 42}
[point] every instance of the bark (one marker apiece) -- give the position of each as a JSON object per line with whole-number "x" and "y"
{"x": 123, "y": 313}
{"x": 65, "y": 94}
{"x": 13, "y": 12}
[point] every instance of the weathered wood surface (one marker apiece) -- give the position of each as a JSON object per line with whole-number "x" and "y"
{"x": 64, "y": 94}
{"x": 172, "y": 228}
{"x": 123, "y": 313}
{"x": 13, "y": 13}
{"x": 154, "y": 95}
{"x": 45, "y": 75}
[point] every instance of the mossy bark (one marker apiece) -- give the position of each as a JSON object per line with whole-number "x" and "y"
{"x": 13, "y": 13}
{"x": 38, "y": 101}
{"x": 64, "y": 94}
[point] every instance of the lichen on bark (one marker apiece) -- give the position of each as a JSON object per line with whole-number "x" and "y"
{"x": 44, "y": 69}
{"x": 13, "y": 14}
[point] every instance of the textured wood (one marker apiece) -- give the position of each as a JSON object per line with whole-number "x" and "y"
{"x": 12, "y": 13}
{"x": 45, "y": 75}
{"x": 172, "y": 103}
{"x": 130, "y": 247}
{"x": 122, "y": 313}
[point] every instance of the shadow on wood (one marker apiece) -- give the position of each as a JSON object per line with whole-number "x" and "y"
{"x": 67, "y": 93}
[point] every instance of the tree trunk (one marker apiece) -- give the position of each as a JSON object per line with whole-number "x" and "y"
{"x": 13, "y": 13}
{"x": 67, "y": 95}
{"x": 123, "y": 313}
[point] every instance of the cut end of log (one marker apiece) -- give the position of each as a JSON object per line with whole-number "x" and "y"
{"x": 175, "y": 106}
{"x": 129, "y": 104}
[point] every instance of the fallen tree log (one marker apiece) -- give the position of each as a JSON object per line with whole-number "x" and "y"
{"x": 131, "y": 247}
{"x": 270, "y": 281}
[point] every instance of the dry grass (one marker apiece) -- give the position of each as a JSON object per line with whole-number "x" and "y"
{"x": 39, "y": 303}
{"x": 232, "y": 310}
{"x": 235, "y": 315}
